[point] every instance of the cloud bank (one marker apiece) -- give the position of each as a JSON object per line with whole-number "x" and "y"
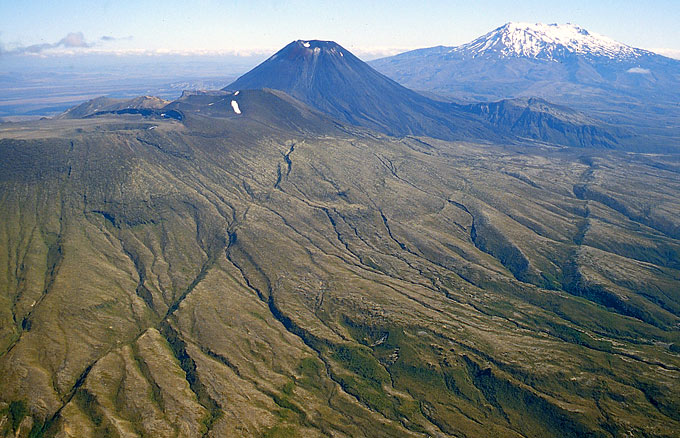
{"x": 671, "y": 53}
{"x": 75, "y": 43}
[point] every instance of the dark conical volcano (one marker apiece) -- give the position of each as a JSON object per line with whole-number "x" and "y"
{"x": 328, "y": 77}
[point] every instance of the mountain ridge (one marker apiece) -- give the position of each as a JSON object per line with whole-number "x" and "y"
{"x": 612, "y": 82}
{"x": 331, "y": 79}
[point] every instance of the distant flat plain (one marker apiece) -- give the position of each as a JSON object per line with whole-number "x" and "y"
{"x": 39, "y": 87}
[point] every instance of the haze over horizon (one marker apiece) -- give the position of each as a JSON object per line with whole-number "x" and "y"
{"x": 54, "y": 56}
{"x": 260, "y": 27}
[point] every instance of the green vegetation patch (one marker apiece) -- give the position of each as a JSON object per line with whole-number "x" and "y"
{"x": 17, "y": 411}
{"x": 366, "y": 378}
{"x": 311, "y": 372}
{"x": 290, "y": 411}
{"x": 361, "y": 362}
{"x": 89, "y": 405}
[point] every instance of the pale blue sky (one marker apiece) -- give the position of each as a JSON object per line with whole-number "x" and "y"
{"x": 362, "y": 26}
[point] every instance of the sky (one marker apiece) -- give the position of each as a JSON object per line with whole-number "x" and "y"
{"x": 368, "y": 28}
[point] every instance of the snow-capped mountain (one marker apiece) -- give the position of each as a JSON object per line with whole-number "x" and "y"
{"x": 546, "y": 41}
{"x": 562, "y": 63}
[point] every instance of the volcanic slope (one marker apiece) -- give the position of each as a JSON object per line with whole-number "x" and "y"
{"x": 269, "y": 272}
{"x": 328, "y": 77}
{"x": 562, "y": 63}
{"x": 331, "y": 79}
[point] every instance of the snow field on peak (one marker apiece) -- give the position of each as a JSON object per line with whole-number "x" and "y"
{"x": 546, "y": 41}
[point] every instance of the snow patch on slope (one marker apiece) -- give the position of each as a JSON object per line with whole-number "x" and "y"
{"x": 235, "y": 107}
{"x": 639, "y": 70}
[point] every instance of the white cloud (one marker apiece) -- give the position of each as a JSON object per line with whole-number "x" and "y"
{"x": 671, "y": 53}
{"x": 370, "y": 53}
{"x": 112, "y": 38}
{"x": 72, "y": 40}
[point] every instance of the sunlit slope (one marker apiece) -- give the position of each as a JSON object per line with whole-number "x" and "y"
{"x": 223, "y": 276}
